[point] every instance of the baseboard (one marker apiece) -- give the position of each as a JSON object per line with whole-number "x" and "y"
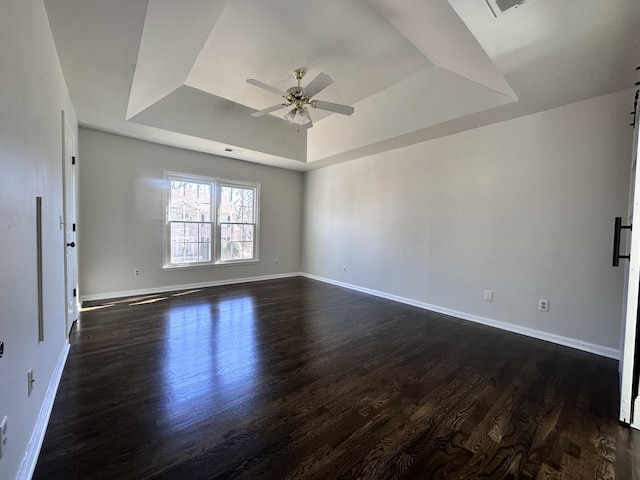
{"x": 188, "y": 286}
{"x": 30, "y": 460}
{"x": 529, "y": 332}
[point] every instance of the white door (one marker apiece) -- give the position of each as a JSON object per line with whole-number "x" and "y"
{"x": 69, "y": 222}
{"x": 630, "y": 407}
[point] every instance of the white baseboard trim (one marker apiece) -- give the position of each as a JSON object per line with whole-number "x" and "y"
{"x": 188, "y": 286}
{"x": 529, "y": 332}
{"x": 30, "y": 459}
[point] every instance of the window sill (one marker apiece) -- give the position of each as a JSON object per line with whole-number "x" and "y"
{"x": 189, "y": 266}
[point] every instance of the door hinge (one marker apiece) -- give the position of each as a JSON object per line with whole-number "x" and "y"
{"x": 73, "y": 160}
{"x": 75, "y": 293}
{"x": 74, "y": 227}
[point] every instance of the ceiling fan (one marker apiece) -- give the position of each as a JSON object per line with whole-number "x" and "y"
{"x": 299, "y": 98}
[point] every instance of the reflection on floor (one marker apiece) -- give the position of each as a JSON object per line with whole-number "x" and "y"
{"x": 294, "y": 378}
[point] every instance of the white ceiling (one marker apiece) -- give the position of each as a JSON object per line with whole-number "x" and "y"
{"x": 175, "y": 72}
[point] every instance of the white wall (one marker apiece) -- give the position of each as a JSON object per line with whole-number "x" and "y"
{"x": 121, "y": 215}
{"x": 32, "y": 98}
{"x": 524, "y": 208}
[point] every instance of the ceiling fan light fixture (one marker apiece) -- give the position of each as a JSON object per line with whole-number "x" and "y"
{"x": 303, "y": 117}
{"x": 291, "y": 115}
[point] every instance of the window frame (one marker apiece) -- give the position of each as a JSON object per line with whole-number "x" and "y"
{"x": 216, "y": 185}
{"x": 220, "y": 183}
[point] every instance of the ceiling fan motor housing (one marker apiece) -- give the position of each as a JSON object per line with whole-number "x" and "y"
{"x": 296, "y": 95}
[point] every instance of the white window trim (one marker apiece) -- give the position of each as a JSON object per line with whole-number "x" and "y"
{"x": 216, "y": 184}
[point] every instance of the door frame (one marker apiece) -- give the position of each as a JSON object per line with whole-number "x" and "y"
{"x": 68, "y": 224}
{"x": 629, "y": 406}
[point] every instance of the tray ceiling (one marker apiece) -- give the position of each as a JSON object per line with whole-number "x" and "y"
{"x": 175, "y": 72}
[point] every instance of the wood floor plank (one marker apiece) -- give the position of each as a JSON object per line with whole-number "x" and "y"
{"x": 293, "y": 378}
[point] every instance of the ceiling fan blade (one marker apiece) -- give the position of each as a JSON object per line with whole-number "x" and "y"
{"x": 332, "y": 107}
{"x": 269, "y": 88}
{"x": 318, "y": 84}
{"x": 264, "y": 111}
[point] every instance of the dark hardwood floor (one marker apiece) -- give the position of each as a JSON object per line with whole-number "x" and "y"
{"x": 294, "y": 378}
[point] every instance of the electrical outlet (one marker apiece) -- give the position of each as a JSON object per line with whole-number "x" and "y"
{"x": 543, "y": 305}
{"x": 3, "y": 435}
{"x": 30, "y": 381}
{"x": 137, "y": 272}
{"x": 488, "y": 295}
{"x": 344, "y": 269}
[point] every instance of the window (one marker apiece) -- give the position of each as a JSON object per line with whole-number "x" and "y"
{"x": 237, "y": 222}
{"x": 210, "y": 221}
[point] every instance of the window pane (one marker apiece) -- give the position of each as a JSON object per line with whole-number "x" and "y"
{"x": 190, "y": 201}
{"x": 247, "y": 205}
{"x": 190, "y": 242}
{"x": 237, "y": 242}
{"x": 226, "y": 250}
{"x": 204, "y": 242}
{"x": 236, "y": 204}
{"x": 247, "y": 233}
{"x": 247, "y": 250}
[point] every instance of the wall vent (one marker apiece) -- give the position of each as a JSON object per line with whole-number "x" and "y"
{"x": 499, "y": 7}
{"x": 236, "y": 150}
